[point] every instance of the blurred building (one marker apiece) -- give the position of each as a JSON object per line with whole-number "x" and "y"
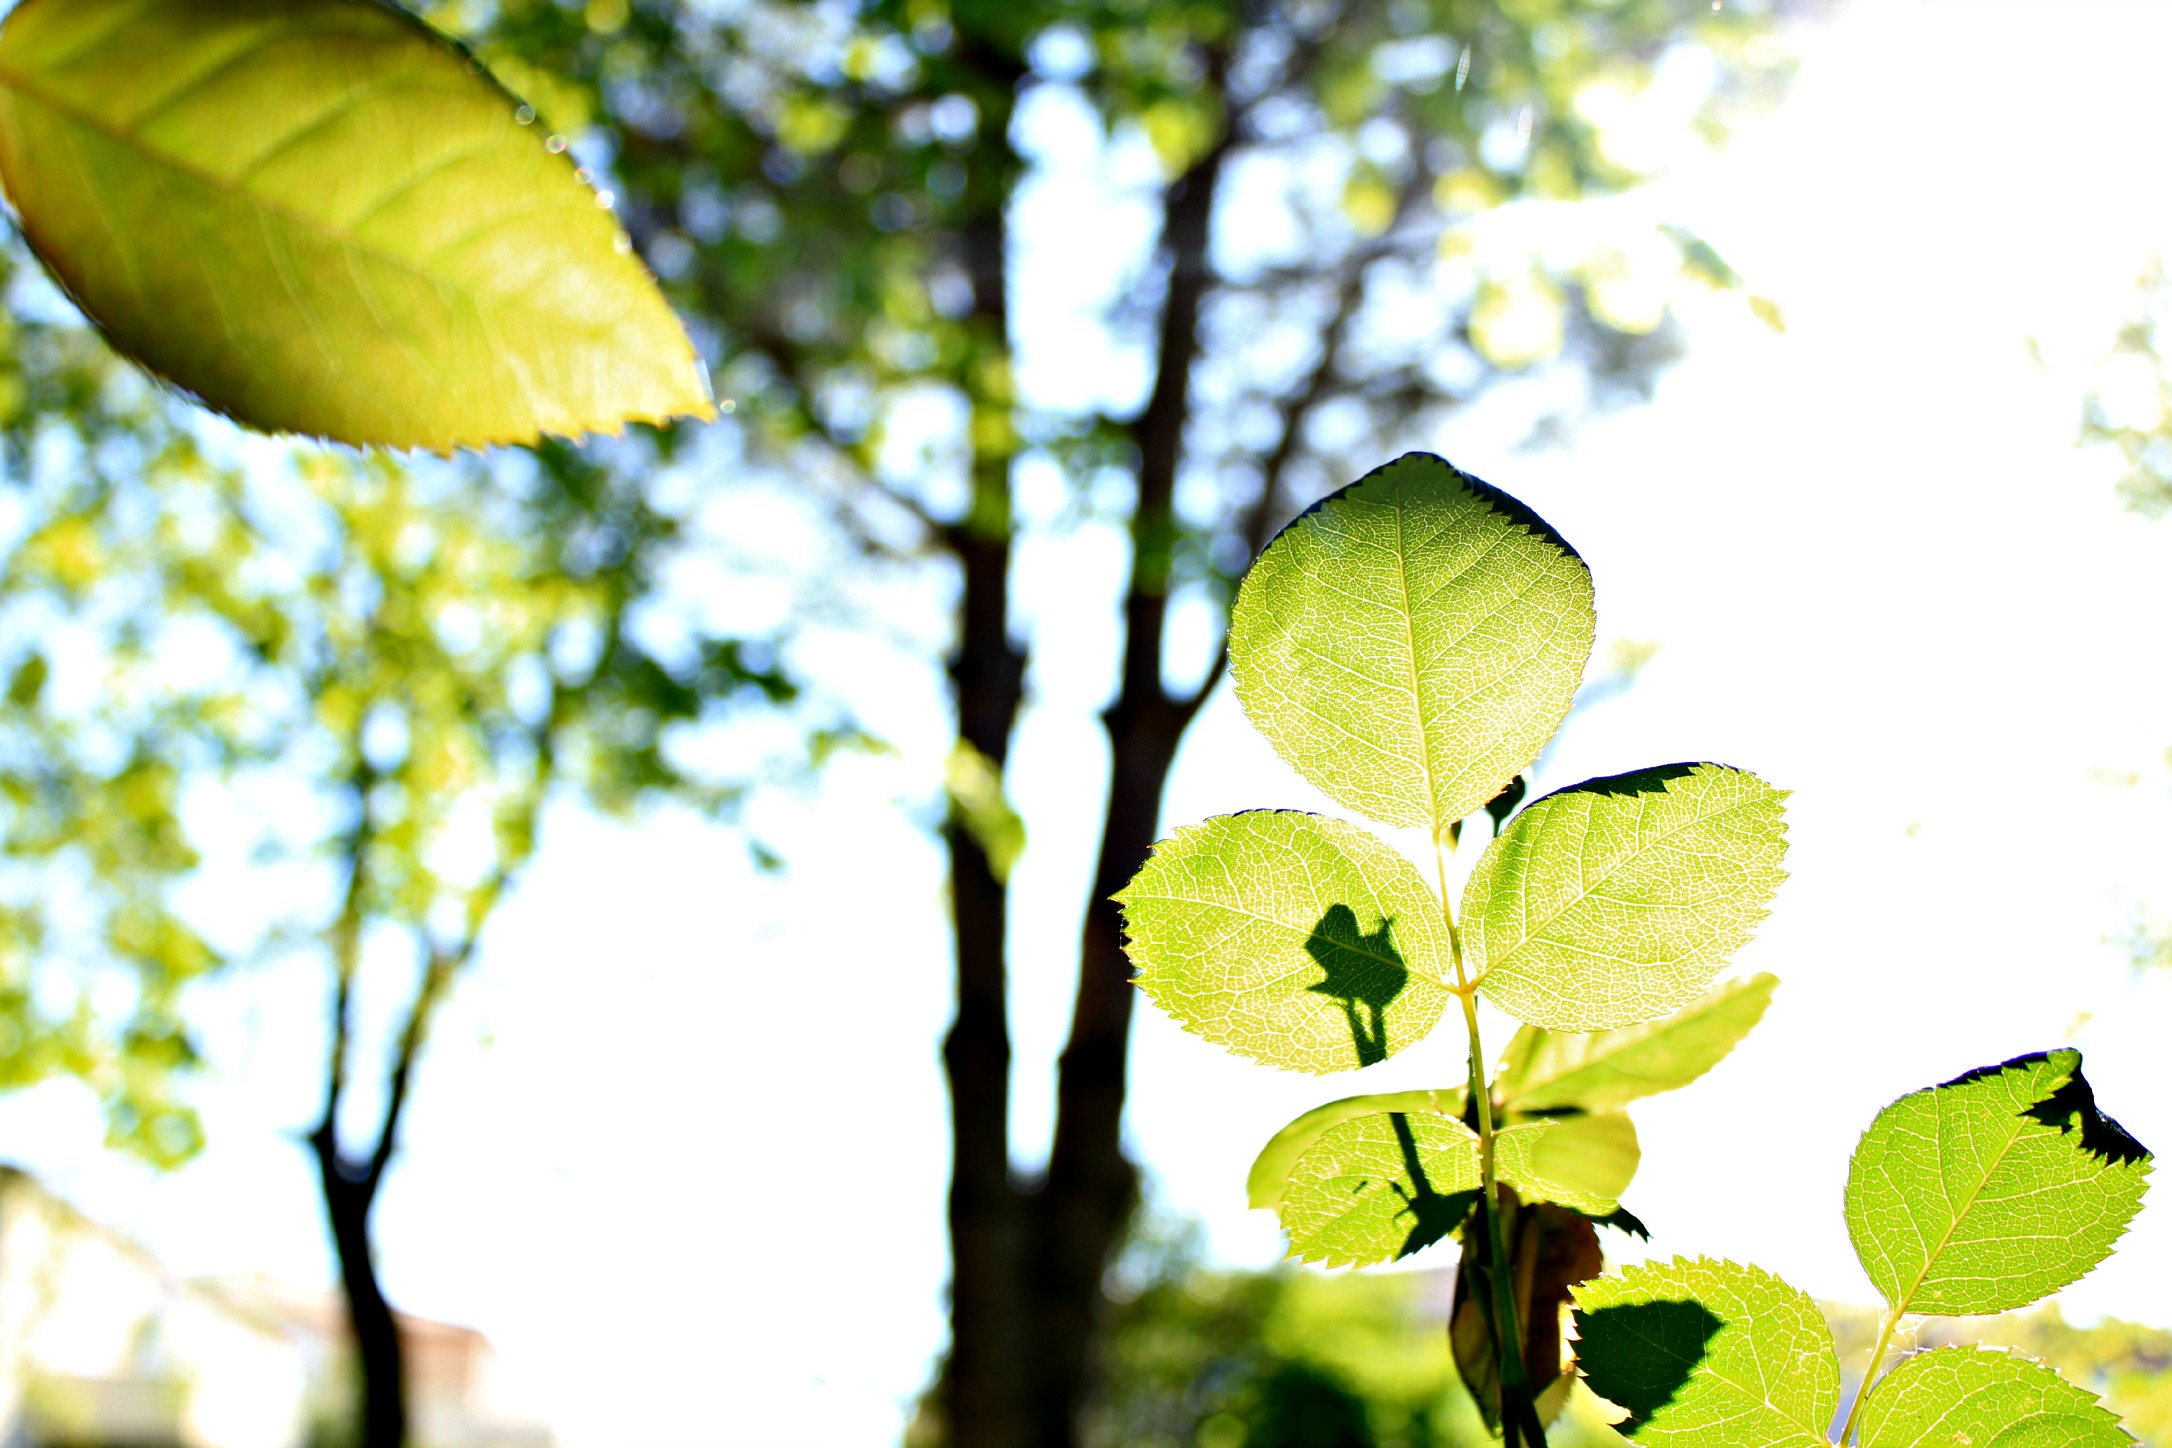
{"x": 102, "y": 1347}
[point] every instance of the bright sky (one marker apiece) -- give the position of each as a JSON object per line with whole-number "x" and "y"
{"x": 679, "y": 1147}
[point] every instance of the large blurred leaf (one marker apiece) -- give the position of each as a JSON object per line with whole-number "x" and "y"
{"x": 1271, "y": 1168}
{"x": 1707, "y": 1354}
{"x": 1956, "y": 1395}
{"x": 1546, "y": 1070}
{"x": 1992, "y": 1190}
{"x": 1413, "y": 641}
{"x": 1614, "y": 901}
{"x": 318, "y": 217}
{"x": 1380, "y": 1187}
{"x": 1297, "y": 940}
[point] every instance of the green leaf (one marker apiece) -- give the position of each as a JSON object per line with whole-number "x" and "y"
{"x": 1708, "y": 1354}
{"x": 1616, "y": 900}
{"x": 1992, "y": 1190}
{"x": 318, "y": 217}
{"x": 1412, "y": 641}
{"x": 1546, "y": 1070}
{"x": 2061, "y": 1430}
{"x": 1294, "y": 939}
{"x": 1580, "y": 1161}
{"x": 1380, "y": 1187}
{"x": 977, "y": 801}
{"x": 1956, "y": 1395}
{"x": 1377, "y": 1182}
{"x": 1271, "y": 1168}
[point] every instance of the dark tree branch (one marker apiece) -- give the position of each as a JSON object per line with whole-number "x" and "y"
{"x": 1091, "y": 1186}
{"x": 346, "y": 942}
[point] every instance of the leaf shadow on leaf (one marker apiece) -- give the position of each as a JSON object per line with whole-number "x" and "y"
{"x": 1637, "y": 782}
{"x": 1639, "y": 1354}
{"x": 2073, "y": 1105}
{"x": 1364, "y": 974}
{"x": 1433, "y": 1215}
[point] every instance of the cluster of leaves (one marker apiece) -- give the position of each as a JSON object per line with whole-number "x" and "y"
{"x": 1977, "y": 1196}
{"x": 1409, "y": 646}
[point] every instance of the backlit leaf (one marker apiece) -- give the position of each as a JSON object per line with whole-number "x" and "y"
{"x": 1580, "y": 1161}
{"x": 1380, "y": 1187}
{"x": 317, "y": 217}
{"x": 1992, "y": 1190}
{"x": 1707, "y": 1354}
{"x": 1547, "y": 1070}
{"x": 1615, "y": 900}
{"x": 1959, "y": 1395}
{"x": 1294, "y": 939}
{"x": 1413, "y": 641}
{"x": 1375, "y": 1178}
{"x": 1271, "y": 1168}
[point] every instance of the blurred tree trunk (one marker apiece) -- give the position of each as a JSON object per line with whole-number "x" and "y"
{"x": 1091, "y": 1187}
{"x": 379, "y": 1363}
{"x": 1028, "y": 1258}
{"x": 985, "y": 1393}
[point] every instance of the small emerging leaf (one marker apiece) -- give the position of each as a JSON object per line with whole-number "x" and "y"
{"x": 316, "y": 217}
{"x": 1954, "y": 1395}
{"x": 1546, "y": 1070}
{"x": 1583, "y": 1161}
{"x": 1271, "y": 1168}
{"x": 1992, "y": 1190}
{"x": 1411, "y": 642}
{"x": 1379, "y": 1188}
{"x": 1707, "y": 1354}
{"x": 1615, "y": 900}
{"x": 1296, "y": 940}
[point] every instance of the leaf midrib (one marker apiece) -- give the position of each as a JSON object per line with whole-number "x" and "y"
{"x": 1946, "y": 1237}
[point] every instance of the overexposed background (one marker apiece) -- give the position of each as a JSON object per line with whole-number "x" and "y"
{"x": 679, "y": 1146}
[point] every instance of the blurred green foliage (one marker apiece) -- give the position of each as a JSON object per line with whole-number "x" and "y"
{"x": 813, "y": 184}
{"x": 1202, "y": 1358}
{"x": 361, "y": 679}
{"x": 2131, "y": 408}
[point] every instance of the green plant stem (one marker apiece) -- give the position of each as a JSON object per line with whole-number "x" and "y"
{"x": 1518, "y": 1416}
{"x": 1870, "y": 1374}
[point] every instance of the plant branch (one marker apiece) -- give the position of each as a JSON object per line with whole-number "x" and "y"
{"x": 516, "y": 845}
{"x": 1870, "y": 1374}
{"x": 347, "y": 955}
{"x": 1519, "y": 1417}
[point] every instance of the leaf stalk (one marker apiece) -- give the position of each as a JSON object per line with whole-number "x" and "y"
{"x": 1519, "y": 1417}
{"x": 1870, "y": 1374}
